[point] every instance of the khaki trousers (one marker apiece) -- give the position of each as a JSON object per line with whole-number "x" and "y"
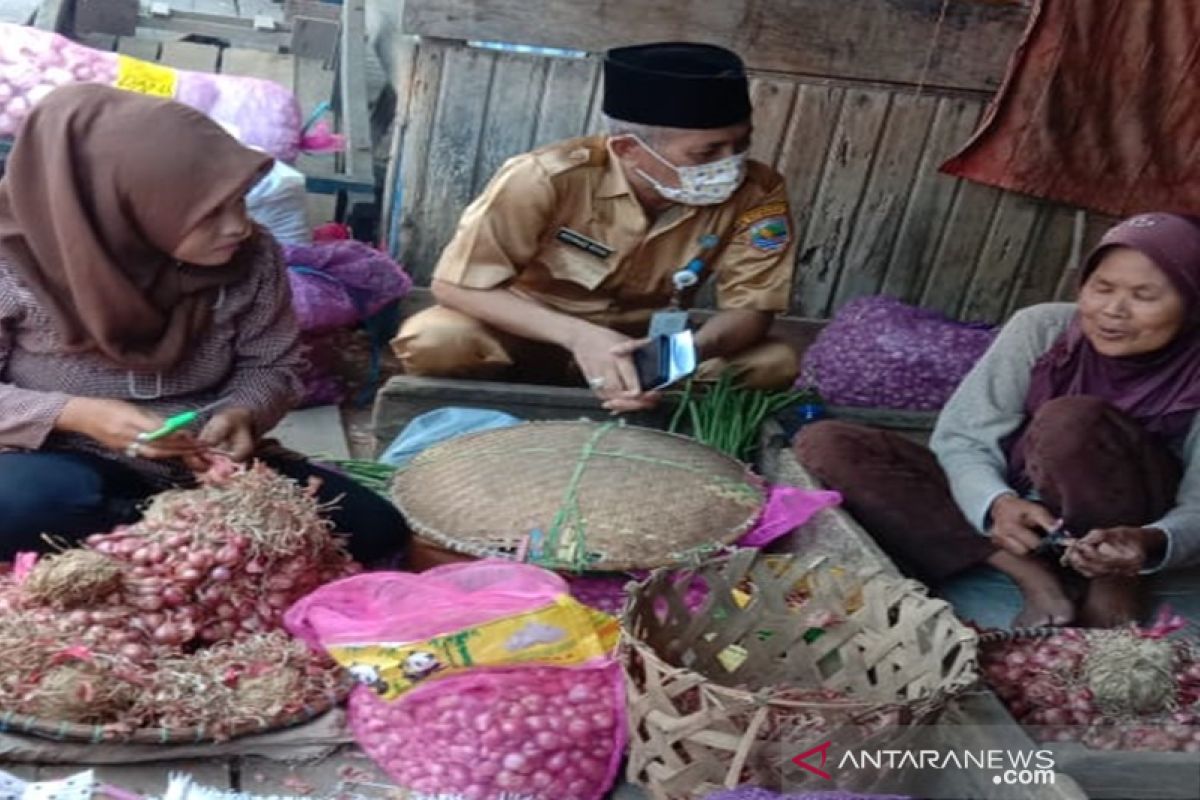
{"x": 441, "y": 342}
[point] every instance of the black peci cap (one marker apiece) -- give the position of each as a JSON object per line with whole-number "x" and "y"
{"x": 676, "y": 85}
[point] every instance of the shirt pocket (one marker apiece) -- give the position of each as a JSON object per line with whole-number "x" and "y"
{"x": 569, "y": 264}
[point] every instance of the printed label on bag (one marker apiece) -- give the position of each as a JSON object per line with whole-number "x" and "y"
{"x": 563, "y": 633}
{"x": 143, "y": 77}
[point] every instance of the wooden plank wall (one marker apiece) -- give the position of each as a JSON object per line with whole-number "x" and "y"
{"x": 872, "y": 213}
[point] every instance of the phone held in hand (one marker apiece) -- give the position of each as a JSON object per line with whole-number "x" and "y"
{"x": 665, "y": 360}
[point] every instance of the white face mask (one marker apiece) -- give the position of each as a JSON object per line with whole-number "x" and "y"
{"x": 703, "y": 184}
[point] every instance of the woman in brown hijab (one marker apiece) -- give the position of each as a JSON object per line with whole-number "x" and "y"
{"x": 133, "y": 286}
{"x": 1074, "y": 444}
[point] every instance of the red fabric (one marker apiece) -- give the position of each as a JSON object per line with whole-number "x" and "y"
{"x": 1100, "y": 109}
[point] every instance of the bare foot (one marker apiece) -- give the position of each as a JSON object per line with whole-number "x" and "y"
{"x": 1044, "y": 607}
{"x": 1046, "y": 604}
{"x": 1110, "y": 603}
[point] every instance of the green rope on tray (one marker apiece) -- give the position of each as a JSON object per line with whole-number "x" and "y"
{"x": 569, "y": 513}
{"x": 569, "y": 517}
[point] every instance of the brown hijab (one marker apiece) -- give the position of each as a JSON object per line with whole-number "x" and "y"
{"x": 101, "y": 185}
{"x": 1161, "y": 390}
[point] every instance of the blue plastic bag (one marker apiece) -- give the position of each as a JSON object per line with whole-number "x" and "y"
{"x": 442, "y": 425}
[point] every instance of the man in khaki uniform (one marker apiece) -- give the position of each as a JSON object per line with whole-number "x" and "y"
{"x": 559, "y": 265}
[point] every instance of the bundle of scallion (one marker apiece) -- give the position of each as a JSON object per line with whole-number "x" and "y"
{"x": 729, "y": 417}
{"x": 371, "y": 474}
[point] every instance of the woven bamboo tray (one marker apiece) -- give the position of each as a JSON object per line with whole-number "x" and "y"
{"x": 604, "y": 496}
{"x": 724, "y": 686}
{"x": 12, "y": 722}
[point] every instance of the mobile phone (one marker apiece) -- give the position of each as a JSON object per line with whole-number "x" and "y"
{"x": 664, "y": 360}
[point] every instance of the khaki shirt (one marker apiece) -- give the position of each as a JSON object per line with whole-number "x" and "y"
{"x": 562, "y": 226}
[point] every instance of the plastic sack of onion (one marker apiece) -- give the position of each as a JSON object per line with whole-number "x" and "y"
{"x": 259, "y": 112}
{"x": 173, "y": 622}
{"x": 480, "y": 680}
{"x": 1121, "y": 689}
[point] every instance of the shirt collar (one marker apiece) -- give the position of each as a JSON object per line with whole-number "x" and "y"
{"x": 613, "y": 184}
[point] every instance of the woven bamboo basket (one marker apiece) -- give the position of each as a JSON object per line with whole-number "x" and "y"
{"x": 12, "y": 722}
{"x": 602, "y": 496}
{"x": 734, "y": 667}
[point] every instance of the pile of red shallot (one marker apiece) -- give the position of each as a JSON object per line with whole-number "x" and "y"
{"x": 1121, "y": 689}
{"x": 536, "y": 733}
{"x": 214, "y": 565}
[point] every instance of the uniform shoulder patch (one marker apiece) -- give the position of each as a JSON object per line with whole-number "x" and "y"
{"x": 757, "y": 213}
{"x": 770, "y": 234}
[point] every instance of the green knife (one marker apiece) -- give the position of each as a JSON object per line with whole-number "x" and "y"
{"x": 180, "y": 421}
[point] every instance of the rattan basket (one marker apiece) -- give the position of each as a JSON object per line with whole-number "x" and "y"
{"x": 727, "y": 678}
{"x": 604, "y": 497}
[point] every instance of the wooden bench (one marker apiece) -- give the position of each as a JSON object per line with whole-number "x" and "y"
{"x": 404, "y": 397}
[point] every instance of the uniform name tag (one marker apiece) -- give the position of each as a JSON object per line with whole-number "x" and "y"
{"x": 577, "y": 239}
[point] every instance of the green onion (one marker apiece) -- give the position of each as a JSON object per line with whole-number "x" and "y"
{"x": 371, "y": 474}
{"x": 728, "y": 417}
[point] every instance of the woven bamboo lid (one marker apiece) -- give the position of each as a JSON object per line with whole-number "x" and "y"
{"x": 604, "y": 496}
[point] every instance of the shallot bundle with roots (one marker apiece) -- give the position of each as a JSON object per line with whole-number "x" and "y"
{"x": 1109, "y": 689}
{"x": 49, "y": 670}
{"x": 536, "y": 733}
{"x": 232, "y": 685}
{"x": 221, "y": 561}
{"x": 116, "y": 631}
{"x": 50, "y": 674}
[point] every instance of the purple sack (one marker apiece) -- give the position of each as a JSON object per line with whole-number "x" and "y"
{"x": 339, "y": 284}
{"x": 322, "y": 386}
{"x": 878, "y": 352}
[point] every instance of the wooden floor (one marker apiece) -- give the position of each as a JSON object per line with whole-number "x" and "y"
{"x": 347, "y": 773}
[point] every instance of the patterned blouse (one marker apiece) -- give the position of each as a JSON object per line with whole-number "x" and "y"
{"x": 250, "y": 355}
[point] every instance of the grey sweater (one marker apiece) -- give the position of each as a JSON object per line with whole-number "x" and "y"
{"x": 989, "y": 405}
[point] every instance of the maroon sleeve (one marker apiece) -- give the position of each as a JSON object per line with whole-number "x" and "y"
{"x": 26, "y": 417}
{"x": 267, "y": 359}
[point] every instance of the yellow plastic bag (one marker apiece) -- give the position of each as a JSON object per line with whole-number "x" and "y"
{"x": 562, "y": 633}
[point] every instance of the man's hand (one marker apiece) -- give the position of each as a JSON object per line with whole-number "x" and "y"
{"x": 232, "y": 432}
{"x": 605, "y": 358}
{"x": 1111, "y": 552}
{"x": 1018, "y": 526}
{"x": 640, "y": 401}
{"x": 116, "y": 424}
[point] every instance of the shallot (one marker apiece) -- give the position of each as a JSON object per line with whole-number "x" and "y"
{"x": 471, "y": 735}
{"x": 1111, "y": 690}
{"x": 202, "y": 579}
